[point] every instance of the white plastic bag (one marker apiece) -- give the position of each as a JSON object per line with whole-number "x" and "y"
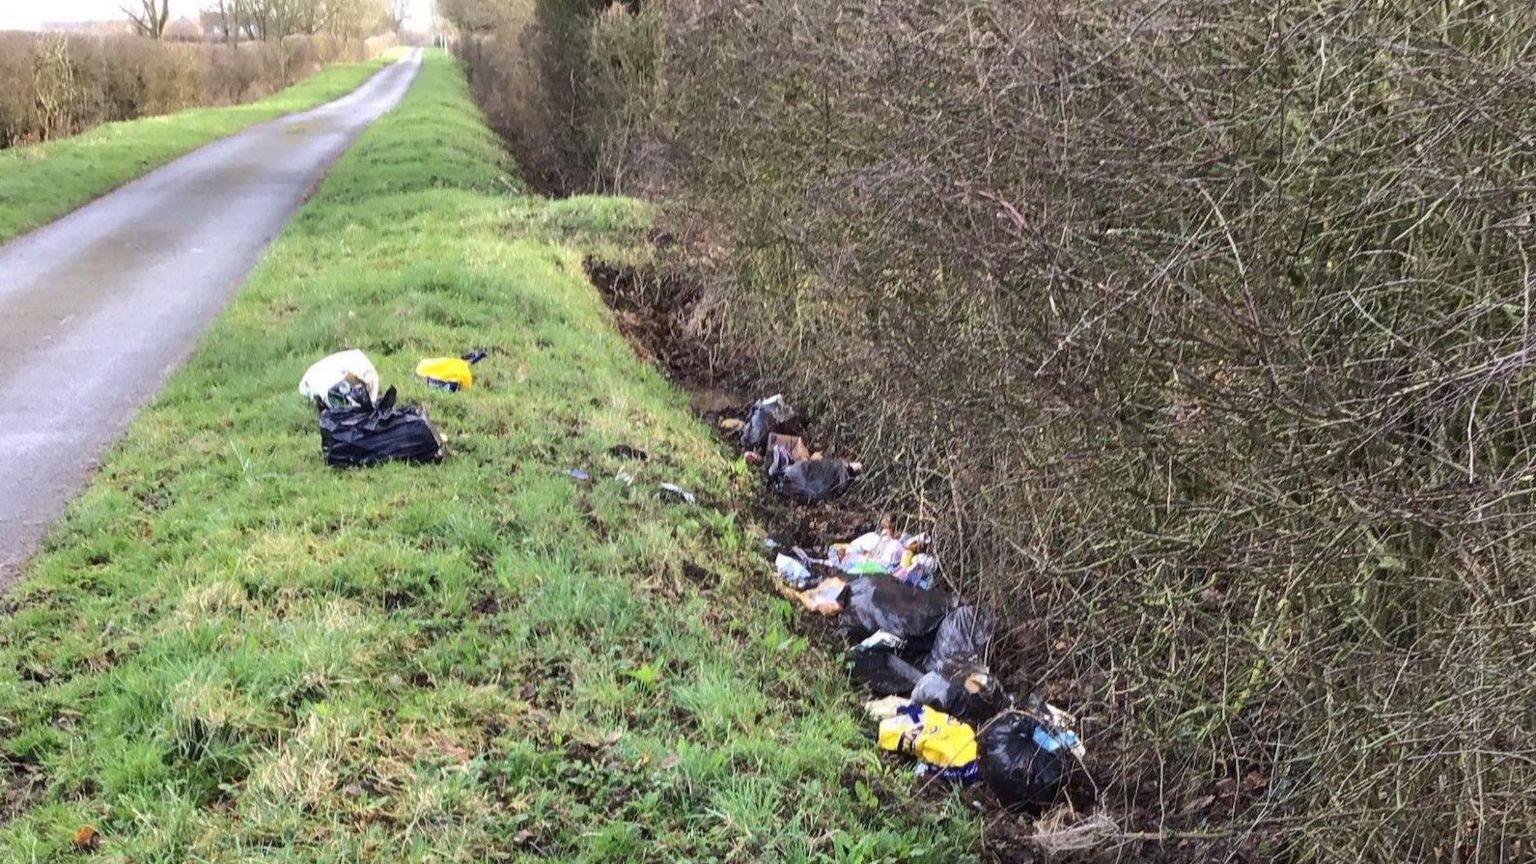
{"x": 345, "y": 373}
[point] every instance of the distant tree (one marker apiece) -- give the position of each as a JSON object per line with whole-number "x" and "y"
{"x": 221, "y": 21}
{"x": 149, "y": 17}
{"x": 397, "y": 12}
{"x": 473, "y": 16}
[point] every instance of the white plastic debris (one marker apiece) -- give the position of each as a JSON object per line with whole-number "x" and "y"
{"x": 680, "y": 492}
{"x": 341, "y": 379}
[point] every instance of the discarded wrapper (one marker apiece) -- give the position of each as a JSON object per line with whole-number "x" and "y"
{"x": 885, "y": 708}
{"x": 794, "y": 574}
{"x": 934, "y": 737}
{"x": 680, "y": 492}
{"x": 450, "y": 373}
{"x": 825, "y": 598}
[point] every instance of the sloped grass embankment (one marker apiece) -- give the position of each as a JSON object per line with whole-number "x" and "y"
{"x": 230, "y": 651}
{"x": 41, "y": 182}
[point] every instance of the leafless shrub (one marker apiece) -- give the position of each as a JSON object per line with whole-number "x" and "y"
{"x": 18, "y": 104}
{"x": 56, "y": 84}
{"x": 1202, "y": 331}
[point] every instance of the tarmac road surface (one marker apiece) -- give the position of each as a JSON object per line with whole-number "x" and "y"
{"x": 99, "y": 307}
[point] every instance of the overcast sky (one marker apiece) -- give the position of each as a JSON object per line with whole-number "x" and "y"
{"x": 30, "y": 14}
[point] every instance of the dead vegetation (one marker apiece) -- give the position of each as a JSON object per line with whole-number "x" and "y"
{"x": 54, "y": 84}
{"x": 1202, "y": 332}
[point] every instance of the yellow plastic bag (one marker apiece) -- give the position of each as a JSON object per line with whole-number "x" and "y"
{"x": 449, "y": 373}
{"x": 934, "y": 737}
{"x": 823, "y": 599}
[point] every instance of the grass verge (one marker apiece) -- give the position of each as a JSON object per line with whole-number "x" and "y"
{"x": 228, "y": 651}
{"x": 42, "y": 182}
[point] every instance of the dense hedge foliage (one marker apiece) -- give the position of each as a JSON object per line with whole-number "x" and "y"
{"x": 1201, "y": 329}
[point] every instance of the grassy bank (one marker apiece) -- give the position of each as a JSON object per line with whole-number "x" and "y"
{"x": 229, "y": 651}
{"x": 42, "y": 182}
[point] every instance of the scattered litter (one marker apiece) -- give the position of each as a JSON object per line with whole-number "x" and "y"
{"x": 625, "y": 451}
{"x": 579, "y": 474}
{"x": 767, "y": 416}
{"x": 921, "y": 572}
{"x": 1062, "y": 721}
{"x": 625, "y": 477}
{"x": 885, "y": 708}
{"x": 816, "y": 479}
{"x": 934, "y": 737}
{"x": 794, "y": 574}
{"x": 881, "y": 641}
{"x": 882, "y": 670}
{"x": 371, "y": 433}
{"x": 957, "y": 679}
{"x": 341, "y": 380}
{"x": 876, "y": 547}
{"x": 826, "y": 598}
{"x": 784, "y": 451}
{"x": 876, "y": 603}
{"x": 680, "y": 492}
{"x": 805, "y": 557}
{"x": 884, "y": 552}
{"x": 924, "y": 658}
{"x": 87, "y": 838}
{"x": 792, "y": 446}
{"x": 450, "y": 373}
{"x": 1027, "y": 760}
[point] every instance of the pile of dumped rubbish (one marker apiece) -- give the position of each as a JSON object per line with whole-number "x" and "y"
{"x": 921, "y": 652}
{"x": 357, "y": 427}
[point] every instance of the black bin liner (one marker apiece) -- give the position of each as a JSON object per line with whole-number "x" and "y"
{"x": 372, "y": 433}
{"x": 873, "y": 603}
{"x": 1025, "y": 762}
{"x": 813, "y": 480}
{"x": 768, "y": 416}
{"x": 961, "y": 644}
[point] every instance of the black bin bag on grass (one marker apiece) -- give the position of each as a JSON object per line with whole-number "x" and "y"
{"x": 961, "y": 643}
{"x": 1027, "y": 763}
{"x": 372, "y": 433}
{"x": 875, "y": 603}
{"x": 813, "y": 480}
{"x": 958, "y": 680}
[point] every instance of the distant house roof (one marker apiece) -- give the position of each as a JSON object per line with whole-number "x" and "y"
{"x": 183, "y": 29}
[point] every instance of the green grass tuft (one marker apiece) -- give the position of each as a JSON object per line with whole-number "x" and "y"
{"x": 229, "y": 651}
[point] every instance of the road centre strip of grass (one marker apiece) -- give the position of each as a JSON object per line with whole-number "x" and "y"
{"x": 42, "y": 182}
{"x": 229, "y": 651}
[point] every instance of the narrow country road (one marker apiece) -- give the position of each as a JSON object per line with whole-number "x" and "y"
{"x": 99, "y": 307}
